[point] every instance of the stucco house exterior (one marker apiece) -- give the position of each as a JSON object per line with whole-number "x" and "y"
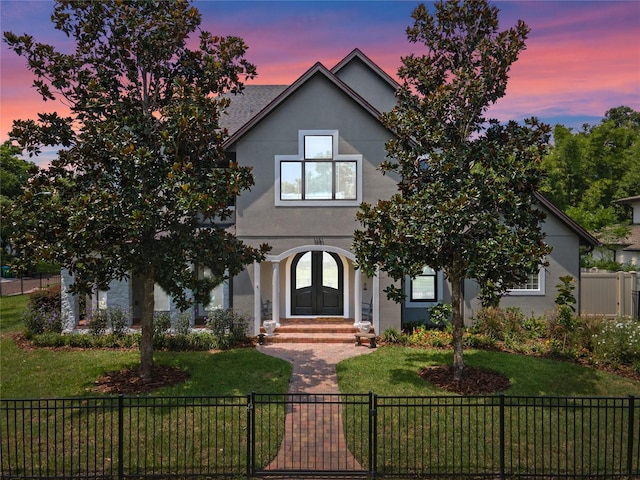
{"x": 315, "y": 146}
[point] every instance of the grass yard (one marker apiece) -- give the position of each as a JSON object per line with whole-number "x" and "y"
{"x": 433, "y": 432}
{"x": 47, "y": 373}
{"x": 393, "y": 370}
{"x": 11, "y": 309}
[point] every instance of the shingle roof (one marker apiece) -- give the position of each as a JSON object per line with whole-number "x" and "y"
{"x": 245, "y": 106}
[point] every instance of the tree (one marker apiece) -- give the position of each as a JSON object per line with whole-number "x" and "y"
{"x": 466, "y": 195}
{"x": 14, "y": 172}
{"x": 142, "y": 186}
{"x": 588, "y": 170}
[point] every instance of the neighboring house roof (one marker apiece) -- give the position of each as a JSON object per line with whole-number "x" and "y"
{"x": 585, "y": 237}
{"x": 629, "y": 199}
{"x": 631, "y": 243}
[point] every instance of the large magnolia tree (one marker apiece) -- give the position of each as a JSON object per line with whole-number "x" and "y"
{"x": 141, "y": 186}
{"x": 465, "y": 203}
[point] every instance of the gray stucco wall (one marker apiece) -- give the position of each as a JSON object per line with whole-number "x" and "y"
{"x": 317, "y": 105}
{"x": 372, "y": 88}
{"x": 563, "y": 260}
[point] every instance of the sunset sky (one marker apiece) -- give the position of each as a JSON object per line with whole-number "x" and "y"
{"x": 582, "y": 57}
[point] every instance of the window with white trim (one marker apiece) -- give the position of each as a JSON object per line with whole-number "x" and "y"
{"x": 318, "y": 175}
{"x": 533, "y": 285}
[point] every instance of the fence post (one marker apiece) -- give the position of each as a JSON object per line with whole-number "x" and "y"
{"x": 630, "y": 428}
{"x": 373, "y": 435}
{"x": 120, "y": 436}
{"x": 251, "y": 437}
{"x": 502, "y": 437}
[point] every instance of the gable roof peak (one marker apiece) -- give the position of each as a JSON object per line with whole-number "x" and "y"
{"x": 356, "y": 53}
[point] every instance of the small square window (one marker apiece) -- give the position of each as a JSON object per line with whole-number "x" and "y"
{"x": 318, "y": 146}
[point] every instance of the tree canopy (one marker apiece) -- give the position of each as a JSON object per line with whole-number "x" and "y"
{"x": 587, "y": 171}
{"x": 141, "y": 186}
{"x": 465, "y": 200}
{"x": 14, "y": 173}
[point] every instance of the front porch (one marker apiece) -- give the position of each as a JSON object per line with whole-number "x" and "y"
{"x": 294, "y": 294}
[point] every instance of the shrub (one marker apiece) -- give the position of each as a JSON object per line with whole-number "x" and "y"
{"x": 440, "y": 314}
{"x": 500, "y": 324}
{"x": 229, "y": 327}
{"x": 479, "y": 341}
{"x": 391, "y": 335}
{"x": 535, "y": 327}
{"x": 161, "y": 323}
{"x": 42, "y": 314}
{"x": 97, "y": 321}
{"x": 117, "y": 321}
{"x": 182, "y": 323}
{"x": 425, "y": 337}
{"x": 618, "y": 343}
{"x": 48, "y": 299}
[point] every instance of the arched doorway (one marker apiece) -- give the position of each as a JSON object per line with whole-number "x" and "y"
{"x": 317, "y": 284}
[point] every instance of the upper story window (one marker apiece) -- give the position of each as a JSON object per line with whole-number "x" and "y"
{"x": 318, "y": 175}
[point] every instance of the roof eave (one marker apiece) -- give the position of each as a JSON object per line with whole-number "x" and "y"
{"x": 585, "y": 237}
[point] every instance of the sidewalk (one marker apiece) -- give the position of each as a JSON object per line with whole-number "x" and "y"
{"x": 313, "y": 437}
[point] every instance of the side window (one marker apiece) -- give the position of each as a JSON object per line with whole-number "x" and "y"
{"x": 318, "y": 175}
{"x": 534, "y": 285}
{"x": 424, "y": 287}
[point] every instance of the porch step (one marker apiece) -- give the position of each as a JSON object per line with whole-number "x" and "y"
{"x": 322, "y": 330}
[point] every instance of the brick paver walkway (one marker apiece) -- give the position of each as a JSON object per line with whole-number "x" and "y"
{"x": 313, "y": 438}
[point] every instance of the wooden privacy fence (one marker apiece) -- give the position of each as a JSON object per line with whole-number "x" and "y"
{"x": 610, "y": 294}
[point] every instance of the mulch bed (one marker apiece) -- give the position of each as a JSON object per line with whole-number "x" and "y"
{"x": 128, "y": 381}
{"x": 474, "y": 381}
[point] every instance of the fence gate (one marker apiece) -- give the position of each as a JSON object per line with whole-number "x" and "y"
{"x": 321, "y": 434}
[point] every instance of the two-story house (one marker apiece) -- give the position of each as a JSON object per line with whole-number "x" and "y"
{"x": 315, "y": 146}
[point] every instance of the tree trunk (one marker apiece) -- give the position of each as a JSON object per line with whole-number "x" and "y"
{"x": 146, "y": 343}
{"x": 457, "y": 322}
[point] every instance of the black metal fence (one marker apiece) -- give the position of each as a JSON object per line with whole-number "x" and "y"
{"x": 261, "y": 435}
{"x": 28, "y": 283}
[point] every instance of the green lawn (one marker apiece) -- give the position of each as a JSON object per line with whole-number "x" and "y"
{"x": 394, "y": 371}
{"x": 10, "y": 311}
{"x": 42, "y": 373}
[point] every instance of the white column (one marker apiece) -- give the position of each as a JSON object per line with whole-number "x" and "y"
{"x": 257, "y": 298}
{"x": 357, "y": 297}
{"x": 375, "y": 292}
{"x": 69, "y": 303}
{"x": 275, "y": 293}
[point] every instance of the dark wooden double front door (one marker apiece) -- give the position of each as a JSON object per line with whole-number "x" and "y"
{"x": 317, "y": 284}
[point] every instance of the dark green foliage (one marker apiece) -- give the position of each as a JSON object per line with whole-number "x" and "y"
{"x": 143, "y": 167}
{"x": 587, "y": 171}
{"x": 465, "y": 200}
{"x": 228, "y": 326}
